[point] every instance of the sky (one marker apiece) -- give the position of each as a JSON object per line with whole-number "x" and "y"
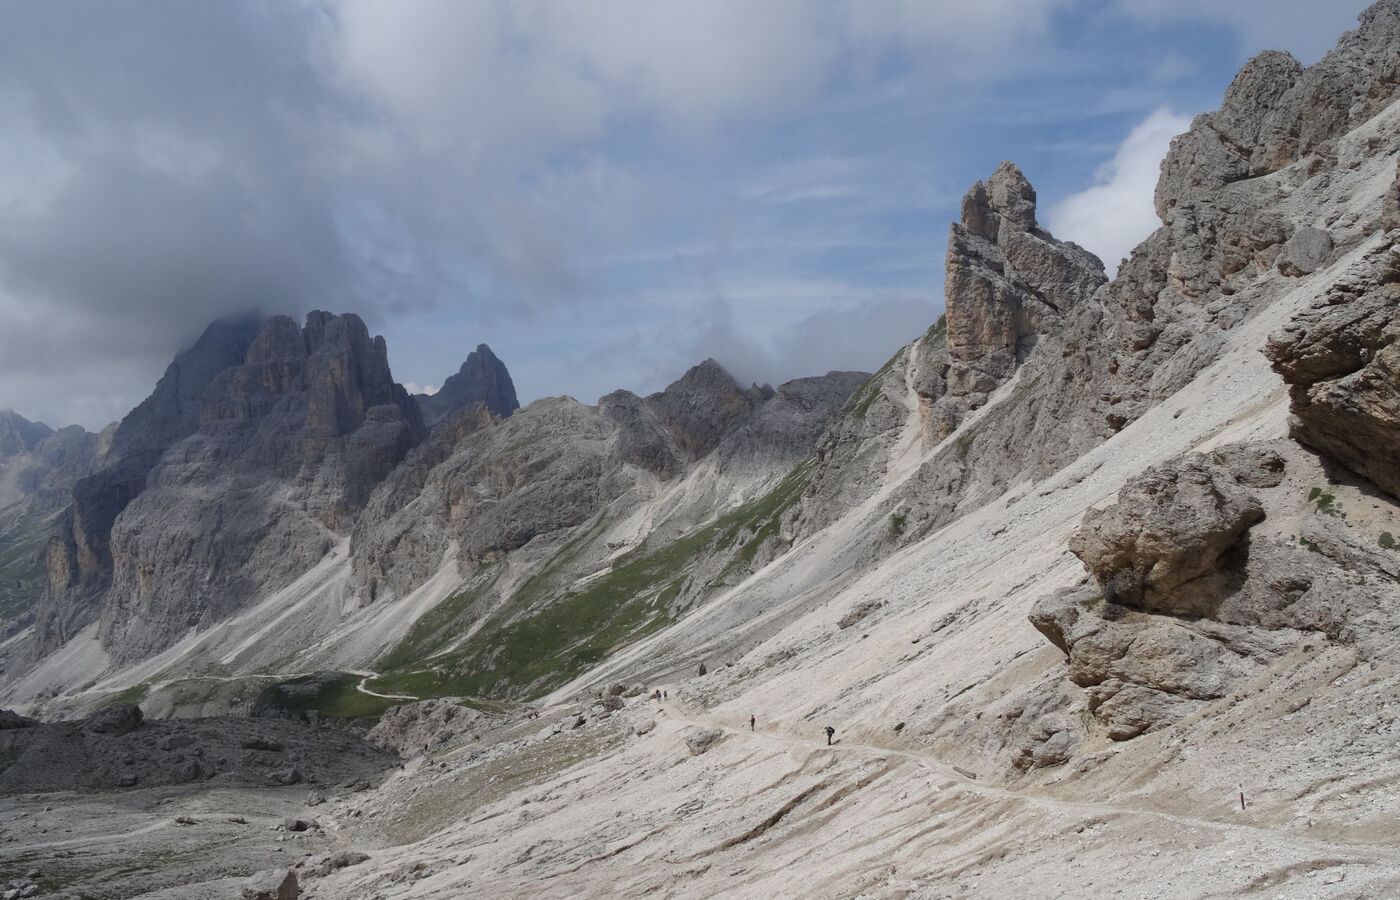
{"x": 604, "y": 192}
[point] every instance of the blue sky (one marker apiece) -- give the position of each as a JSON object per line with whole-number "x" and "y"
{"x": 606, "y": 192}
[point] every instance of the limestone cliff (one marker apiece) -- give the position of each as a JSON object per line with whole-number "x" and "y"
{"x": 483, "y": 379}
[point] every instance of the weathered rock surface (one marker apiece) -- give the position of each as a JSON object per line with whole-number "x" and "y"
{"x": 1341, "y": 359}
{"x": 289, "y": 447}
{"x": 1186, "y": 607}
{"x": 272, "y": 884}
{"x": 482, "y": 379}
{"x": 701, "y": 739}
{"x": 79, "y": 553}
{"x": 409, "y": 728}
{"x": 1008, "y": 282}
{"x": 1159, "y": 547}
{"x": 117, "y": 748}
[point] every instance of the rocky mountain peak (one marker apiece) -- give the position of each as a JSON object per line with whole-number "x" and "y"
{"x": 1008, "y": 282}
{"x": 18, "y": 434}
{"x": 1005, "y": 196}
{"x": 483, "y": 378}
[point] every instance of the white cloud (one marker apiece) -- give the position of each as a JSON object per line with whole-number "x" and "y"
{"x": 1114, "y": 215}
{"x": 1305, "y": 28}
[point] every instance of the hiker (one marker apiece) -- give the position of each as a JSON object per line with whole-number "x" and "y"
{"x": 665, "y": 695}
{"x": 829, "y": 732}
{"x": 750, "y": 723}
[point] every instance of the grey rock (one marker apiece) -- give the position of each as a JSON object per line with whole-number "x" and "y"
{"x": 1159, "y": 547}
{"x": 1341, "y": 360}
{"x": 702, "y": 739}
{"x": 272, "y": 884}
{"x": 408, "y": 728}
{"x": 11, "y": 719}
{"x": 1305, "y": 252}
{"x": 613, "y": 702}
{"x": 116, "y": 720}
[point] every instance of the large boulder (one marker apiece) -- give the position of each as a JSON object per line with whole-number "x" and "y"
{"x": 272, "y": 884}
{"x": 1159, "y": 548}
{"x": 120, "y": 719}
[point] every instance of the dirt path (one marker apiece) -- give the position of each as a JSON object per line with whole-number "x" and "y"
{"x": 965, "y": 781}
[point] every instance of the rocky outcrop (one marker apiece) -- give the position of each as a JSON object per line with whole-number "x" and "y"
{"x": 1341, "y": 360}
{"x": 413, "y": 728}
{"x": 482, "y": 379}
{"x": 1185, "y": 606}
{"x": 1008, "y": 282}
{"x": 1160, "y": 547}
{"x": 116, "y": 749}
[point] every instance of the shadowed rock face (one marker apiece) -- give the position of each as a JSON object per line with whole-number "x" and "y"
{"x": 483, "y": 379}
{"x": 1341, "y": 359}
{"x": 235, "y": 476}
{"x": 79, "y": 553}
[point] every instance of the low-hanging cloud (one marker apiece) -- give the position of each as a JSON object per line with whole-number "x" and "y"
{"x": 1116, "y": 213}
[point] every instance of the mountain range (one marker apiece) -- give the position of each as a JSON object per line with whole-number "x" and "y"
{"x": 1096, "y": 580}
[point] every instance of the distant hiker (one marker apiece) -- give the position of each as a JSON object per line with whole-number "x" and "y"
{"x": 657, "y": 695}
{"x": 829, "y": 732}
{"x": 665, "y": 695}
{"x": 750, "y": 723}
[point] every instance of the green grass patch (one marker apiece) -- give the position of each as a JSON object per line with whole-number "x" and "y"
{"x": 897, "y": 521}
{"x": 1387, "y": 540}
{"x": 438, "y": 626}
{"x": 860, "y": 403}
{"x": 134, "y": 694}
{"x": 332, "y": 694}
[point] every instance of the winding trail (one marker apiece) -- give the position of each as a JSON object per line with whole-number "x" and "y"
{"x": 967, "y": 782}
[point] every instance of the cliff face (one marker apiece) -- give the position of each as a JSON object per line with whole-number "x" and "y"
{"x": 489, "y": 487}
{"x": 483, "y": 379}
{"x": 236, "y": 475}
{"x": 79, "y": 554}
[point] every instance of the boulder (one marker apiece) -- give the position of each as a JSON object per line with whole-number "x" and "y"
{"x": 1341, "y": 360}
{"x": 1305, "y": 252}
{"x": 1159, "y": 548}
{"x": 702, "y": 739}
{"x": 272, "y": 884}
{"x": 120, "y": 719}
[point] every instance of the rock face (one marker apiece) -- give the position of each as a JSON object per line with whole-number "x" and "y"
{"x": 235, "y": 476}
{"x": 492, "y": 487}
{"x": 1008, "y": 283}
{"x": 1159, "y": 548}
{"x": 1186, "y": 606}
{"x": 1341, "y": 359}
{"x": 482, "y": 379}
{"x": 79, "y": 554}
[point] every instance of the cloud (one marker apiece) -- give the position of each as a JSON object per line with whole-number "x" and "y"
{"x": 1306, "y": 28}
{"x": 1116, "y": 213}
